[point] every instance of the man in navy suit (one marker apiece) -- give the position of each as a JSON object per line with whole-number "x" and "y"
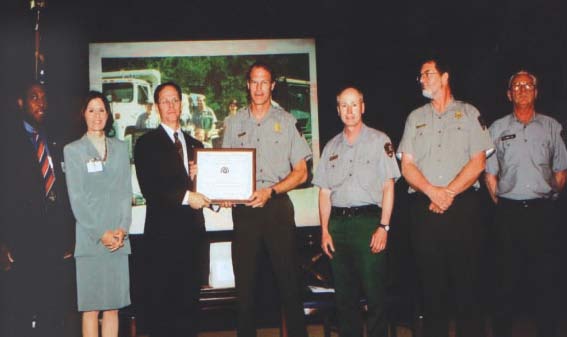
{"x": 36, "y": 228}
{"x": 174, "y": 225}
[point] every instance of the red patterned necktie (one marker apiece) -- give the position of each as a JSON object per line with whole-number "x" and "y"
{"x": 43, "y": 158}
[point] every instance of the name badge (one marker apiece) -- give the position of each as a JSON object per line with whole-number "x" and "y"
{"x": 94, "y": 165}
{"x": 507, "y": 137}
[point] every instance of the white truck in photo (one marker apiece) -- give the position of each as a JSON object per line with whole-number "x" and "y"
{"x": 128, "y": 92}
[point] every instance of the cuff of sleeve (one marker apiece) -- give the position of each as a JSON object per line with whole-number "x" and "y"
{"x": 185, "y": 199}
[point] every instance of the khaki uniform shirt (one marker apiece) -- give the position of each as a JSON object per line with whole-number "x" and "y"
{"x": 442, "y": 144}
{"x": 278, "y": 144}
{"x": 527, "y": 156}
{"x": 355, "y": 173}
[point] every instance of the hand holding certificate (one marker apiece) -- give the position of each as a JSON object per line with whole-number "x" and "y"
{"x": 226, "y": 175}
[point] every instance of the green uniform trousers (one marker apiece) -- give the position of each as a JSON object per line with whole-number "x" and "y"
{"x": 355, "y": 266}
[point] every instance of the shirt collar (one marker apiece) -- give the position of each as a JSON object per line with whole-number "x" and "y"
{"x": 29, "y": 128}
{"x": 451, "y": 105}
{"x": 170, "y": 132}
{"x": 360, "y": 136}
{"x": 535, "y": 117}
{"x": 265, "y": 118}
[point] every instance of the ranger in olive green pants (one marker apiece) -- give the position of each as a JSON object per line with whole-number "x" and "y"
{"x": 356, "y": 177}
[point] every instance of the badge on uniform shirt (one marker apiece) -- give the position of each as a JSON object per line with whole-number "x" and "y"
{"x": 420, "y": 126}
{"x": 333, "y": 157}
{"x": 241, "y": 134}
{"x": 94, "y": 165}
{"x": 458, "y": 115}
{"x": 481, "y": 122}
{"x": 277, "y": 127}
{"x": 389, "y": 148}
{"x": 503, "y": 138}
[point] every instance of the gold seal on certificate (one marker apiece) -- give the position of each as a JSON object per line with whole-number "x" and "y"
{"x": 226, "y": 174}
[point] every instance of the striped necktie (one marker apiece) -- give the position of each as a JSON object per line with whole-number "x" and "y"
{"x": 43, "y": 158}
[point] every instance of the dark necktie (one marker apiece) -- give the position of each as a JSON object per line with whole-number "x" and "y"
{"x": 46, "y": 169}
{"x": 179, "y": 148}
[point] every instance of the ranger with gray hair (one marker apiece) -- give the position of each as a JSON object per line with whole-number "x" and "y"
{"x": 524, "y": 177}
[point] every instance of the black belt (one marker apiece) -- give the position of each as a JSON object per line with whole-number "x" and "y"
{"x": 354, "y": 211}
{"x": 523, "y": 203}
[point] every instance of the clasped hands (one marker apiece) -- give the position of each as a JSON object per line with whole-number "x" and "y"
{"x": 441, "y": 199}
{"x": 113, "y": 239}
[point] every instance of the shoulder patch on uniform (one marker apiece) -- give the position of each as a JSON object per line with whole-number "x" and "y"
{"x": 481, "y": 122}
{"x": 389, "y": 148}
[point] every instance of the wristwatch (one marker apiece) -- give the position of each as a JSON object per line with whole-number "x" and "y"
{"x": 386, "y": 227}
{"x": 273, "y": 194}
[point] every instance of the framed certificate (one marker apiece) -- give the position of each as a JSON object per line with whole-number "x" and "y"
{"x": 226, "y": 174}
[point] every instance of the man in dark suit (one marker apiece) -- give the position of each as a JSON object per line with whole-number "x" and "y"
{"x": 174, "y": 225}
{"x": 37, "y": 229}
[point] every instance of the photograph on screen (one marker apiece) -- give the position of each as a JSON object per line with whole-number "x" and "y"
{"x": 212, "y": 76}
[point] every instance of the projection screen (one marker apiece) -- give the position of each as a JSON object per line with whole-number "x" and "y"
{"x": 211, "y": 75}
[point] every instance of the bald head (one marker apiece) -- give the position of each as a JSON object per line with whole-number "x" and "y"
{"x": 350, "y": 106}
{"x": 350, "y": 90}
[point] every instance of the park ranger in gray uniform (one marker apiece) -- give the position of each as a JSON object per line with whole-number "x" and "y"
{"x": 523, "y": 177}
{"x": 356, "y": 177}
{"x": 268, "y": 218}
{"x": 443, "y": 153}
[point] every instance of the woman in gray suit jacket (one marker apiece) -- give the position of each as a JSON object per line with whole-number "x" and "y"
{"x": 97, "y": 169}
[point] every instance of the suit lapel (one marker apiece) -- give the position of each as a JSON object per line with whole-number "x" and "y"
{"x": 90, "y": 149}
{"x": 167, "y": 146}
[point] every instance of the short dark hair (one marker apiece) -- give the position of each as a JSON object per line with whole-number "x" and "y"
{"x": 441, "y": 64}
{"x": 162, "y": 86}
{"x": 25, "y": 85}
{"x": 263, "y": 65}
{"x": 109, "y": 121}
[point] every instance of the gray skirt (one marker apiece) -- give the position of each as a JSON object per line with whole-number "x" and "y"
{"x": 103, "y": 282}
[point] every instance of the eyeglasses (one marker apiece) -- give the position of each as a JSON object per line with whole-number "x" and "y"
{"x": 172, "y": 101}
{"x": 525, "y": 86}
{"x": 426, "y": 74}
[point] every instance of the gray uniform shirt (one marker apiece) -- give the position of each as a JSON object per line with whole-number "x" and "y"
{"x": 278, "y": 144}
{"x": 355, "y": 173}
{"x": 526, "y": 156}
{"x": 442, "y": 144}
